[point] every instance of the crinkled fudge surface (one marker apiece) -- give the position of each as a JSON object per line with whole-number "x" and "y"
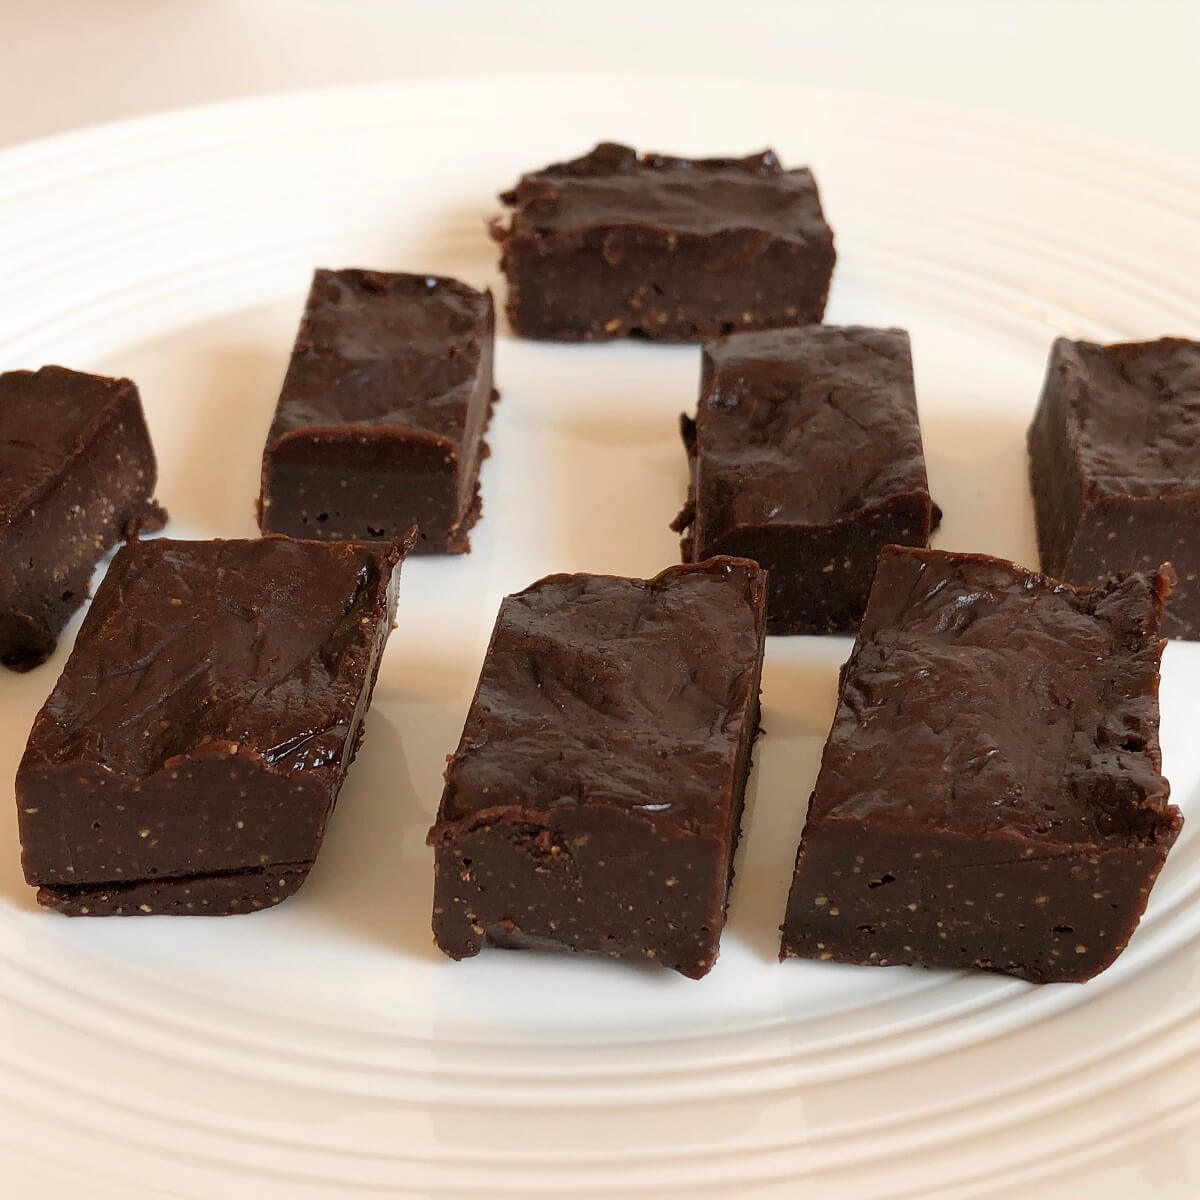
{"x": 599, "y": 689}
{"x": 256, "y": 644}
{"x": 1134, "y": 412}
{"x": 392, "y": 350}
{"x": 614, "y": 185}
{"x": 988, "y": 700}
{"x": 806, "y": 426}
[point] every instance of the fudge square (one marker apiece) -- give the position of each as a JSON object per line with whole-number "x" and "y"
{"x": 675, "y": 249}
{"x": 381, "y": 418}
{"x": 806, "y": 456}
{"x": 77, "y": 475}
{"x": 595, "y": 800}
{"x": 990, "y": 793}
{"x": 1115, "y": 466}
{"x": 189, "y": 757}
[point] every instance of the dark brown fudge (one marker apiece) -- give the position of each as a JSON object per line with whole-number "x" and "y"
{"x": 1115, "y": 465}
{"x": 189, "y": 757}
{"x": 381, "y": 418}
{"x": 674, "y": 249}
{"x": 595, "y": 800}
{"x": 990, "y": 794}
{"x": 77, "y": 475}
{"x": 806, "y": 456}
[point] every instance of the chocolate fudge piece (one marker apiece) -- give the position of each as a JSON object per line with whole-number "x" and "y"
{"x": 1115, "y": 465}
{"x": 381, "y": 419}
{"x": 675, "y": 249}
{"x": 189, "y": 757}
{"x": 990, "y": 793}
{"x": 595, "y": 800}
{"x": 806, "y": 456}
{"x": 77, "y": 475}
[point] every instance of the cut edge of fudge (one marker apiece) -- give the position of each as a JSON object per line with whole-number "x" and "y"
{"x": 66, "y": 514}
{"x": 457, "y": 539}
{"x": 557, "y": 852}
{"x": 269, "y": 802}
{"x": 1108, "y": 504}
{"x": 646, "y": 307}
{"x": 343, "y": 448}
{"x": 222, "y": 893}
{"x": 1006, "y": 894}
{"x": 898, "y": 505}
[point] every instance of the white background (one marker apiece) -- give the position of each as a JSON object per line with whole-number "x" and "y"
{"x": 1122, "y": 69}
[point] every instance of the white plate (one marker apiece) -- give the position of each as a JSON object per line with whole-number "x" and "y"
{"x": 325, "y": 1049}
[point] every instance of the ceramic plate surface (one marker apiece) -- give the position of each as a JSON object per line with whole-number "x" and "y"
{"x": 324, "y": 1048}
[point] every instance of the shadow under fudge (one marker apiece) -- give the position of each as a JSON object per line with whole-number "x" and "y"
{"x": 983, "y": 462}
{"x": 230, "y": 389}
{"x": 24, "y": 695}
{"x": 600, "y": 499}
{"x": 798, "y": 700}
{"x": 372, "y": 877}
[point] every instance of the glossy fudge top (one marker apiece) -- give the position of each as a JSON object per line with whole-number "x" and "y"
{"x": 46, "y": 418}
{"x": 806, "y": 426}
{"x": 252, "y": 648}
{"x": 613, "y": 185}
{"x": 1133, "y": 411}
{"x": 623, "y": 692}
{"x": 380, "y": 350}
{"x": 982, "y": 699}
